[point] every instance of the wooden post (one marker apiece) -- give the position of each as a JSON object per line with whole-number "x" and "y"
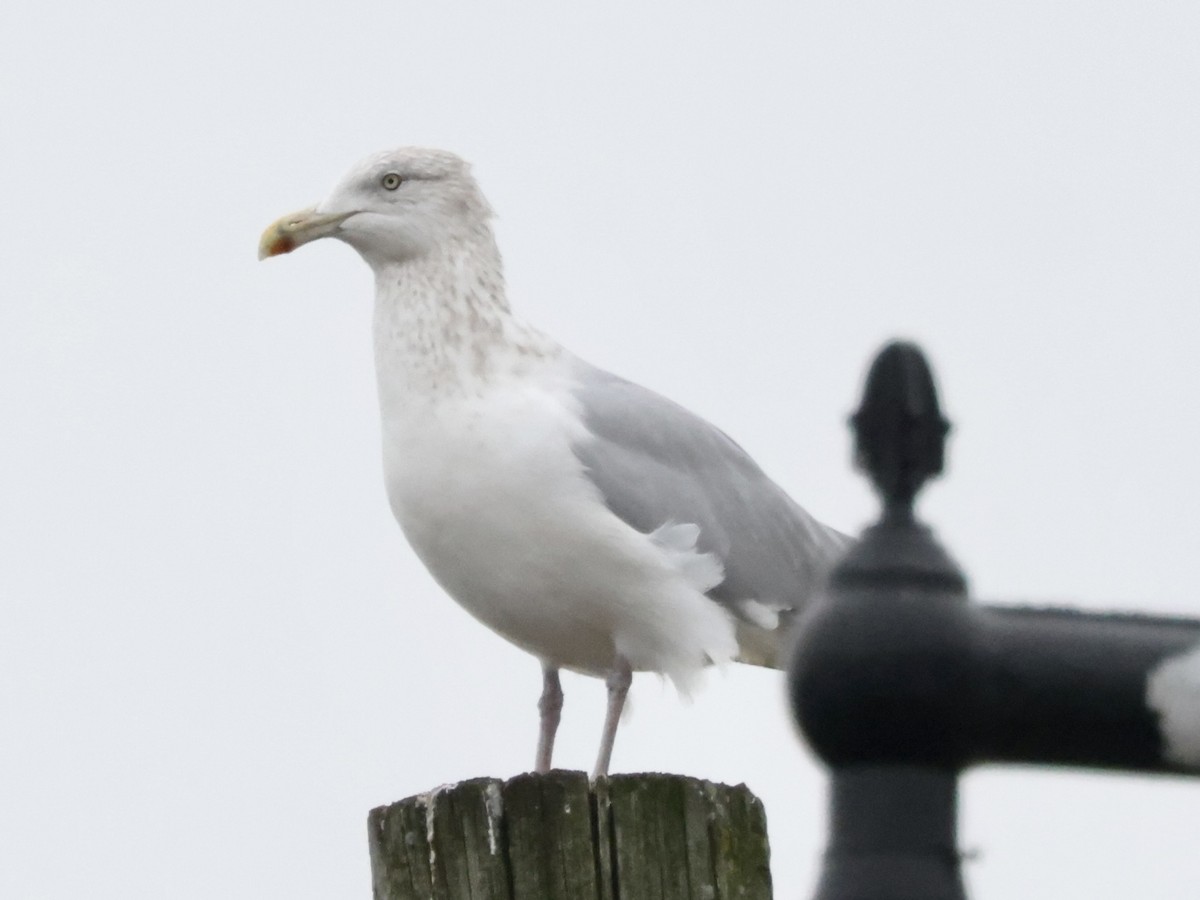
{"x": 555, "y": 837}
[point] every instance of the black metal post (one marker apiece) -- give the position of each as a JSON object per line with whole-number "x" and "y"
{"x": 899, "y": 682}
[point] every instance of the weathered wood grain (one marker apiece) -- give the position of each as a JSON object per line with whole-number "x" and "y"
{"x": 555, "y": 837}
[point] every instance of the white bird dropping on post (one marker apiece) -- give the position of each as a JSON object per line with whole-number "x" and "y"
{"x": 588, "y": 520}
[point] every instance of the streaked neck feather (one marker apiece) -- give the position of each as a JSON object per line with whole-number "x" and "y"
{"x": 443, "y": 326}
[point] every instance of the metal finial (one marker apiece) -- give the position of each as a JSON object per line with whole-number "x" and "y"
{"x": 899, "y": 428}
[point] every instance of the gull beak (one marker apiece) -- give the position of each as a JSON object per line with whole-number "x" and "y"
{"x": 286, "y": 234}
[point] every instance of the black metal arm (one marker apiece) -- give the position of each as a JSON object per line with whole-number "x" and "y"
{"x": 899, "y": 681}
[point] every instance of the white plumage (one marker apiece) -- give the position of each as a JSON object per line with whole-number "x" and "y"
{"x": 589, "y": 521}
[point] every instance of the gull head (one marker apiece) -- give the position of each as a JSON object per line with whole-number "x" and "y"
{"x": 392, "y": 207}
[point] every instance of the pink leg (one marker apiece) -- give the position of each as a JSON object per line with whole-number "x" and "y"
{"x": 618, "y": 682}
{"x": 550, "y": 710}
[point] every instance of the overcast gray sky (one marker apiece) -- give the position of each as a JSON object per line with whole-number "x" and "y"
{"x": 216, "y": 651}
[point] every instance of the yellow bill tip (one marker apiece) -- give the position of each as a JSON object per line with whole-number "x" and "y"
{"x": 275, "y": 242}
{"x": 289, "y": 232}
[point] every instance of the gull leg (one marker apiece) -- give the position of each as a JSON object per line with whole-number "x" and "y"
{"x": 550, "y": 710}
{"x": 618, "y": 682}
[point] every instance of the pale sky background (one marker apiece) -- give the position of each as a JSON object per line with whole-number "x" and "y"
{"x": 216, "y": 651}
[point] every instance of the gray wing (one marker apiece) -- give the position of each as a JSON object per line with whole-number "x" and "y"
{"x": 656, "y": 463}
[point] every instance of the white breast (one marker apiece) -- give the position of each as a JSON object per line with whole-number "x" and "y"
{"x": 498, "y": 507}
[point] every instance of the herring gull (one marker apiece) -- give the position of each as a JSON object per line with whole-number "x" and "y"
{"x": 588, "y": 520}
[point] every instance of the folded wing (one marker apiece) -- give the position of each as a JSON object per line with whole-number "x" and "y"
{"x": 656, "y": 465}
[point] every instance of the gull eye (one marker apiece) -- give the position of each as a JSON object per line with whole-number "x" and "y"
{"x": 391, "y": 181}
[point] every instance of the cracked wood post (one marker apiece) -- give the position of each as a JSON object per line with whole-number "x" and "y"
{"x": 554, "y": 837}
